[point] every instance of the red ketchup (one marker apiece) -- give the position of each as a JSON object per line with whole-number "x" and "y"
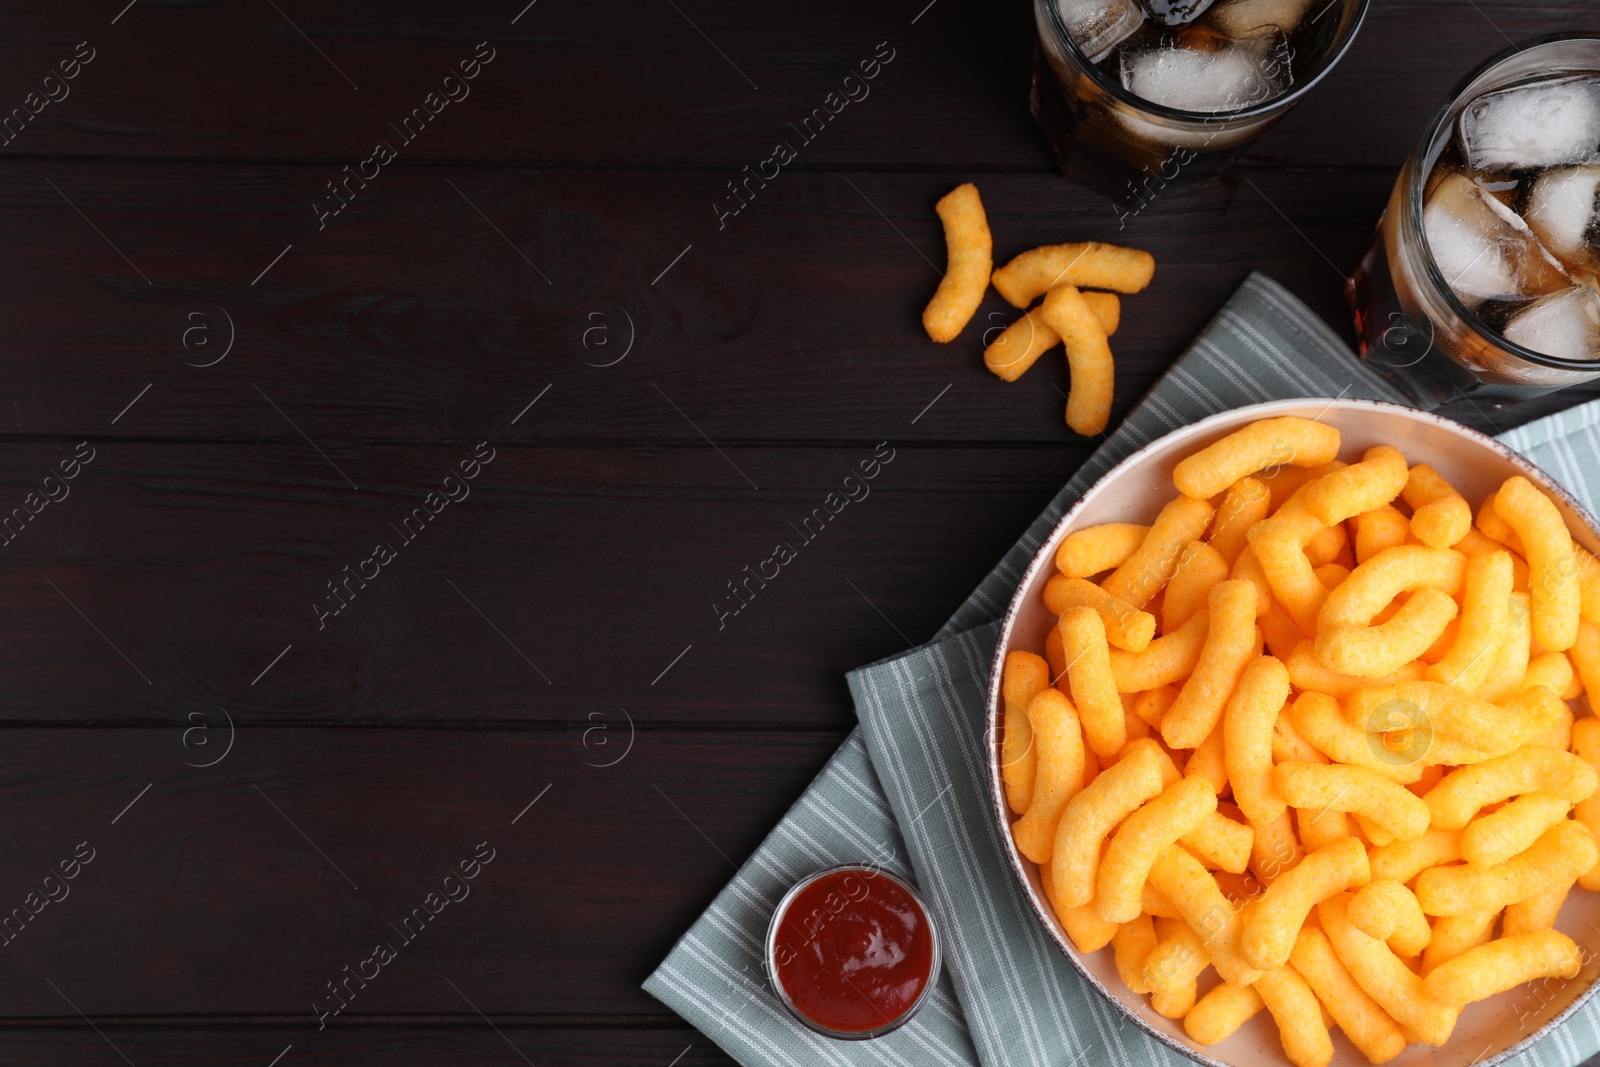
{"x": 852, "y": 952}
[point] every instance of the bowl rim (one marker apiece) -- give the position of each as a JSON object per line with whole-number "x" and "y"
{"x": 1045, "y": 556}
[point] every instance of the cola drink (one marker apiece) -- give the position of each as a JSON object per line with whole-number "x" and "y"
{"x": 1482, "y": 276}
{"x": 1136, "y": 94}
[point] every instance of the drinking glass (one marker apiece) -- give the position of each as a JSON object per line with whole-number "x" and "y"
{"x": 1413, "y": 329}
{"x": 1130, "y": 148}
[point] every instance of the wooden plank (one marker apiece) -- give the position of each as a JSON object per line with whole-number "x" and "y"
{"x": 562, "y": 580}
{"x": 411, "y": 318}
{"x": 641, "y": 83}
{"x": 632, "y": 83}
{"x": 1371, "y": 109}
{"x": 203, "y": 1044}
{"x": 244, "y": 889}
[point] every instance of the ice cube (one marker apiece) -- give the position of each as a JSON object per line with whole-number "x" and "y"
{"x": 1175, "y": 12}
{"x": 1546, "y": 124}
{"x": 1236, "y": 75}
{"x": 1566, "y": 325}
{"x": 1241, "y": 18}
{"x": 1098, "y": 26}
{"x": 1484, "y": 251}
{"x": 1561, "y": 210}
{"x": 1502, "y": 189}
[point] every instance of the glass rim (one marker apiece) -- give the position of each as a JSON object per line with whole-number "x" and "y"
{"x": 783, "y": 994}
{"x": 1266, "y": 107}
{"x": 1418, "y": 183}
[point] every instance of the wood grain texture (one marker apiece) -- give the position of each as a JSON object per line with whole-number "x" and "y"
{"x": 203, "y": 899}
{"x": 640, "y": 84}
{"x": 208, "y": 1044}
{"x": 564, "y": 580}
{"x": 410, "y": 318}
{"x": 634, "y": 83}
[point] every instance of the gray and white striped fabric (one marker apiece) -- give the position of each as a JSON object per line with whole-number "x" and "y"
{"x": 908, "y": 788}
{"x": 1566, "y": 446}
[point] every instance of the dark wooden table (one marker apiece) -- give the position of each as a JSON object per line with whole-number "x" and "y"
{"x": 524, "y": 356}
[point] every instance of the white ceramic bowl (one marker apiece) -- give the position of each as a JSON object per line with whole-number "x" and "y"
{"x": 1134, "y": 491}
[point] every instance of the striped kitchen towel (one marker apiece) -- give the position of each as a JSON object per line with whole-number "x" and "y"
{"x": 908, "y": 789}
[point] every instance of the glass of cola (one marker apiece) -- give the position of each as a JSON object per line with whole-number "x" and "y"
{"x": 1135, "y": 95}
{"x": 1482, "y": 276}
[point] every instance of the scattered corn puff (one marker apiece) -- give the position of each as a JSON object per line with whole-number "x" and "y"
{"x": 966, "y": 277}
{"x": 1360, "y": 487}
{"x": 1530, "y": 769}
{"x": 1094, "y": 690}
{"x": 1229, "y": 646}
{"x": 1150, "y": 567}
{"x": 1086, "y": 553}
{"x": 1275, "y": 922}
{"x": 1297, "y": 1012}
{"x": 1367, "y": 1025}
{"x": 1481, "y": 972}
{"x": 1127, "y": 627}
{"x": 1455, "y": 934}
{"x": 1440, "y": 516}
{"x": 1089, "y": 265}
{"x": 1268, "y": 443}
{"x": 1566, "y": 851}
{"x": 1384, "y": 977}
{"x": 1144, "y": 836}
{"x": 1026, "y": 676}
{"x": 1200, "y": 567}
{"x": 1496, "y": 837}
{"x": 1247, "y": 503}
{"x": 1088, "y": 354}
{"x": 1388, "y": 911}
{"x": 1378, "y": 529}
{"x": 1552, "y": 568}
{"x": 1356, "y": 790}
{"x": 1058, "y": 742}
{"x": 1092, "y": 814}
{"x": 1020, "y": 345}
